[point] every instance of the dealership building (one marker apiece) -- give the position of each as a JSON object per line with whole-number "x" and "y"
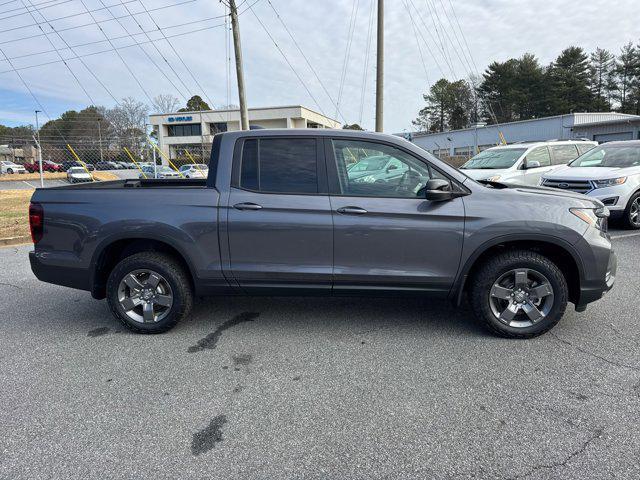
{"x": 602, "y": 127}
{"x": 194, "y": 130}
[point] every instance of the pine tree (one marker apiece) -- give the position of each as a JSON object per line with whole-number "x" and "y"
{"x": 602, "y": 79}
{"x": 568, "y": 79}
{"x": 627, "y": 70}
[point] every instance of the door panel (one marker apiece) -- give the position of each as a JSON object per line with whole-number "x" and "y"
{"x": 288, "y": 241}
{"x": 387, "y": 236}
{"x": 397, "y": 244}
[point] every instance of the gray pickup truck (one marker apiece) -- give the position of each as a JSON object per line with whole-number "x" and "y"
{"x": 280, "y": 215}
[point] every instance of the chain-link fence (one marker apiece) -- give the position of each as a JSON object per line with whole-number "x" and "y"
{"x": 124, "y": 154}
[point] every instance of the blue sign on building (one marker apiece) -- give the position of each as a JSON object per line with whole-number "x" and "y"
{"x": 180, "y": 119}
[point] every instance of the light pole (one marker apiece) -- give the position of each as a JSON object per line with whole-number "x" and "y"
{"x": 39, "y": 149}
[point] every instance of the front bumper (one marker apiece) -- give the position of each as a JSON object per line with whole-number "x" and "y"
{"x": 600, "y": 265}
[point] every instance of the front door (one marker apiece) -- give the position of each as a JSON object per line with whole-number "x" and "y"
{"x": 387, "y": 236}
{"x": 541, "y": 155}
{"x": 279, "y": 218}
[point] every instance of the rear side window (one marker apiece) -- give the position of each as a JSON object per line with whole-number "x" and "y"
{"x": 563, "y": 153}
{"x": 583, "y": 148}
{"x": 541, "y": 155}
{"x": 279, "y": 165}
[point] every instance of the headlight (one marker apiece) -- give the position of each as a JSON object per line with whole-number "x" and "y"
{"x": 495, "y": 178}
{"x": 596, "y": 217}
{"x": 610, "y": 182}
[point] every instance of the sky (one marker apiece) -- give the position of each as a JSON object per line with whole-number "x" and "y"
{"x": 194, "y": 58}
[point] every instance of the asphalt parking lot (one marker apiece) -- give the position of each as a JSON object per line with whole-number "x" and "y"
{"x": 315, "y": 388}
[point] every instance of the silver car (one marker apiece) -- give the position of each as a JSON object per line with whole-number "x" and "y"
{"x": 79, "y": 174}
{"x": 610, "y": 173}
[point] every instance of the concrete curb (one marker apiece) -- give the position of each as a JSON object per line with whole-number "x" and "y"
{"x": 5, "y": 242}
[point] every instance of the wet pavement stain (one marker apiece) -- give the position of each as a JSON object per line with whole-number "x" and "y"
{"x": 211, "y": 341}
{"x": 242, "y": 359}
{"x": 97, "y": 332}
{"x": 206, "y": 439}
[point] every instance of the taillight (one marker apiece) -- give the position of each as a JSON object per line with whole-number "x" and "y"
{"x": 36, "y": 221}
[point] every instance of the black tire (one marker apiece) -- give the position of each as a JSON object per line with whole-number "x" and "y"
{"x": 171, "y": 271}
{"x": 628, "y": 222}
{"x": 10, "y": 171}
{"x": 489, "y": 272}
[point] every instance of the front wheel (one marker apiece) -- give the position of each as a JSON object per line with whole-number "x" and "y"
{"x": 10, "y": 170}
{"x": 149, "y": 292}
{"x": 632, "y": 212}
{"x": 519, "y": 294}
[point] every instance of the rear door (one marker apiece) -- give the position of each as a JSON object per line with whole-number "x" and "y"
{"x": 543, "y": 157}
{"x": 387, "y": 236}
{"x": 279, "y": 217}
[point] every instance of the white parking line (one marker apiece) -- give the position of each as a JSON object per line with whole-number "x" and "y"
{"x": 615, "y": 237}
{"x": 32, "y": 186}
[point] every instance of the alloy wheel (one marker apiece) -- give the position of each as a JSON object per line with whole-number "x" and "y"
{"x": 145, "y": 296}
{"x": 521, "y": 297}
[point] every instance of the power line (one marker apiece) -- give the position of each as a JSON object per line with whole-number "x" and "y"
{"x": 33, "y": 5}
{"x": 42, "y": 52}
{"x": 85, "y": 24}
{"x": 367, "y": 52}
{"x": 105, "y": 50}
{"x": 315, "y": 73}
{"x": 287, "y": 60}
{"x": 60, "y": 55}
{"x": 175, "y": 52}
{"x": 435, "y": 60}
{"x": 162, "y": 72}
{"x": 415, "y": 34}
{"x": 352, "y": 25}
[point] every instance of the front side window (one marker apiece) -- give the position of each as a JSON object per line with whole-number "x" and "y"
{"x": 540, "y": 155}
{"x": 609, "y": 156}
{"x": 399, "y": 175}
{"x": 494, "y": 159}
{"x": 279, "y": 165}
{"x": 563, "y": 154}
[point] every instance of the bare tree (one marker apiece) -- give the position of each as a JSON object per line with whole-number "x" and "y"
{"x": 165, "y": 103}
{"x": 128, "y": 122}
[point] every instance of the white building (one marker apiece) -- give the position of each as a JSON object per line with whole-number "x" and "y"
{"x": 195, "y": 130}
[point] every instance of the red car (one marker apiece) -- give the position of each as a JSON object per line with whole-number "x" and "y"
{"x": 47, "y": 166}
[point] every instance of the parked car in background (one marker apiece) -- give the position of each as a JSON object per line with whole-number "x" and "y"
{"x": 70, "y": 164}
{"x": 161, "y": 171}
{"x": 524, "y": 163}
{"x": 194, "y": 170}
{"x": 47, "y": 166}
{"x": 7, "y": 166}
{"x": 610, "y": 173}
{"x": 78, "y": 174}
{"x": 281, "y": 216}
{"x": 375, "y": 168}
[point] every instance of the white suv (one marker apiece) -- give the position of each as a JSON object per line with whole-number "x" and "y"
{"x": 524, "y": 163}
{"x": 610, "y": 173}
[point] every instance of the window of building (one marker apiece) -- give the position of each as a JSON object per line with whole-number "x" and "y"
{"x": 185, "y": 130}
{"x": 541, "y": 155}
{"x": 396, "y": 173}
{"x": 279, "y": 165}
{"x": 218, "y": 127}
{"x": 563, "y": 154}
{"x": 463, "y": 151}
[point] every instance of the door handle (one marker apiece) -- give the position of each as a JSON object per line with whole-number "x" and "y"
{"x": 247, "y": 206}
{"x": 351, "y": 210}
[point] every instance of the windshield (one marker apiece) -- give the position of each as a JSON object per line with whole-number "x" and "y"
{"x": 370, "y": 164}
{"x": 494, "y": 159}
{"x": 609, "y": 156}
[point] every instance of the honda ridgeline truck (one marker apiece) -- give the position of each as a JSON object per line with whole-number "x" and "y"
{"x": 279, "y": 214}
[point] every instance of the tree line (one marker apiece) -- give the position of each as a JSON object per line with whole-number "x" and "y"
{"x": 522, "y": 88}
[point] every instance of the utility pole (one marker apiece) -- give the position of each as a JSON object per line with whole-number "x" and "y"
{"x": 380, "y": 68}
{"x": 39, "y": 149}
{"x": 244, "y": 113}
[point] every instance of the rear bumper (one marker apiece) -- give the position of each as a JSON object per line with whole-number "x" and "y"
{"x": 50, "y": 272}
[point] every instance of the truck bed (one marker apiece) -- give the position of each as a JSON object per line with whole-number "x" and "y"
{"x": 139, "y": 183}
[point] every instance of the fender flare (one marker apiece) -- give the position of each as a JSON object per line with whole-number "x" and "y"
{"x": 457, "y": 289}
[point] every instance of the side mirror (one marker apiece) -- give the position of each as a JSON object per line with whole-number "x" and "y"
{"x": 391, "y": 167}
{"x": 531, "y": 164}
{"x": 438, "y": 190}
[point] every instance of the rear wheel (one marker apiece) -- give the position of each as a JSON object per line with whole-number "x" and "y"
{"x": 9, "y": 170}
{"x": 632, "y": 212}
{"x": 519, "y": 294}
{"x": 149, "y": 292}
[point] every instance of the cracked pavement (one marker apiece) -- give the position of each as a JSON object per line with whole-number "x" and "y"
{"x": 315, "y": 388}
